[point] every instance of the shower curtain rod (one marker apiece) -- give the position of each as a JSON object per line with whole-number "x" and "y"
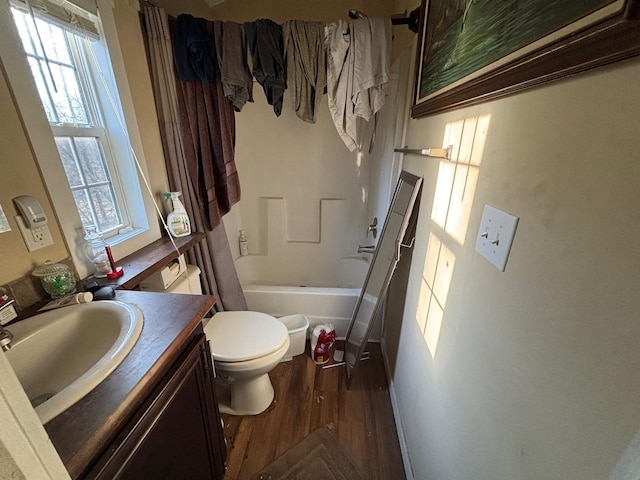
{"x": 412, "y": 21}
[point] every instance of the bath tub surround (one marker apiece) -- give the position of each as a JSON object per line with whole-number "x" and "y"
{"x": 321, "y": 305}
{"x": 323, "y": 289}
{"x": 304, "y": 266}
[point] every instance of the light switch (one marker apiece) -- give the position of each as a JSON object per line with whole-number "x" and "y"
{"x": 497, "y": 229}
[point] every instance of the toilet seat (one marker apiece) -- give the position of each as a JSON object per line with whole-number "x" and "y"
{"x": 242, "y": 336}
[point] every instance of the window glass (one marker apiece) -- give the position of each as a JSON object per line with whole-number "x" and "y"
{"x": 54, "y": 71}
{"x": 65, "y": 148}
{"x": 91, "y": 160}
{"x": 56, "y": 57}
{"x": 103, "y": 203}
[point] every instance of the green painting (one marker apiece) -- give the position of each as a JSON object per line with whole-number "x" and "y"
{"x": 463, "y": 36}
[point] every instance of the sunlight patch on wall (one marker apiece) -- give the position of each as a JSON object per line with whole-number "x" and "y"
{"x": 434, "y": 290}
{"x": 457, "y": 179}
{"x": 434, "y": 325}
{"x": 452, "y": 203}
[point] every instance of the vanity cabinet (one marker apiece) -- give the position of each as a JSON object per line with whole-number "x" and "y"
{"x": 176, "y": 433}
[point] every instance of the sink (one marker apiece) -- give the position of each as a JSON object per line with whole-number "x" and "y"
{"x": 61, "y": 355}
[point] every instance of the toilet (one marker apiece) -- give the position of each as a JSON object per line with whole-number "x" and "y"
{"x": 245, "y": 347}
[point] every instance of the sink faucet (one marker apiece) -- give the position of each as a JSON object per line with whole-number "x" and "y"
{"x": 5, "y": 339}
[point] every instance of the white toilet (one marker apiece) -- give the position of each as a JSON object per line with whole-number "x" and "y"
{"x": 245, "y": 347}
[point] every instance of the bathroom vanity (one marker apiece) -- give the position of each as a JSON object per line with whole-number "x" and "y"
{"x": 156, "y": 415}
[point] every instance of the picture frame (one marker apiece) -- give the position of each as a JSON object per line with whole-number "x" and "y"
{"x": 472, "y": 51}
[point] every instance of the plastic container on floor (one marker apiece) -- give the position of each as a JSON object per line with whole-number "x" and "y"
{"x": 322, "y": 339}
{"x": 297, "y": 326}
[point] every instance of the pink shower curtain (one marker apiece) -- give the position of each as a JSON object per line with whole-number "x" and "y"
{"x": 197, "y": 126}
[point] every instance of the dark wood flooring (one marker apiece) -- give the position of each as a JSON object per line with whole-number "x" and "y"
{"x": 308, "y": 397}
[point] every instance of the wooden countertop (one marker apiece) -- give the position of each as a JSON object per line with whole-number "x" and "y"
{"x": 80, "y": 433}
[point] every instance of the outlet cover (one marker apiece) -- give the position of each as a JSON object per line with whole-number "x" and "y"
{"x": 34, "y": 239}
{"x": 497, "y": 229}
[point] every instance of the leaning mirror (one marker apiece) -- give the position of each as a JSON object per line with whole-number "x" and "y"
{"x": 383, "y": 264}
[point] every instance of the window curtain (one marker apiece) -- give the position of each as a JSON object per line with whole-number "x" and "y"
{"x": 197, "y": 126}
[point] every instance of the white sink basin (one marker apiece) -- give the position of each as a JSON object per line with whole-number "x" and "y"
{"x": 61, "y": 355}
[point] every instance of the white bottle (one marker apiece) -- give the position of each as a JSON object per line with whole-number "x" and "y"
{"x": 75, "y": 299}
{"x": 244, "y": 245}
{"x": 178, "y": 220}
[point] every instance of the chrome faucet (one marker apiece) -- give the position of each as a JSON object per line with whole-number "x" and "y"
{"x": 366, "y": 248}
{"x": 373, "y": 228}
{"x": 5, "y": 339}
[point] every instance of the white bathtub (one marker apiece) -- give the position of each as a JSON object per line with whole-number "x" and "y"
{"x": 321, "y": 305}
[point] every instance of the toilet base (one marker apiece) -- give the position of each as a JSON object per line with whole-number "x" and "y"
{"x": 245, "y": 398}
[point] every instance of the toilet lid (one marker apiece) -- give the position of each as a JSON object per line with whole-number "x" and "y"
{"x": 240, "y": 336}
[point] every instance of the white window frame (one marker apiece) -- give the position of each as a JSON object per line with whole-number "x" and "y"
{"x": 98, "y": 107}
{"x": 37, "y": 127}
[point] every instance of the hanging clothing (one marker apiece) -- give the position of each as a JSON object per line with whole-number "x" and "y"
{"x": 213, "y": 254}
{"x": 264, "y": 39}
{"x": 194, "y": 50}
{"x": 231, "y": 51}
{"x": 358, "y": 63}
{"x": 371, "y": 40}
{"x": 207, "y": 121}
{"x": 306, "y": 65}
{"x": 340, "y": 80}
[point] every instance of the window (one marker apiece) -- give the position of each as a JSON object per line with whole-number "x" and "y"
{"x": 72, "y": 88}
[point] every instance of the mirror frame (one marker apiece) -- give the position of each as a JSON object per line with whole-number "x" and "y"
{"x": 415, "y": 182}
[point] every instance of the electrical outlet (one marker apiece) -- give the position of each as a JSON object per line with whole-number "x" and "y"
{"x": 34, "y": 239}
{"x": 497, "y": 229}
{"x": 38, "y": 234}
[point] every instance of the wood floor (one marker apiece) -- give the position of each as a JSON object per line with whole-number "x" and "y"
{"x": 308, "y": 397}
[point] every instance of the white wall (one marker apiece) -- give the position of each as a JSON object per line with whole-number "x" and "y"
{"x": 535, "y": 373}
{"x": 303, "y": 195}
{"x": 307, "y": 200}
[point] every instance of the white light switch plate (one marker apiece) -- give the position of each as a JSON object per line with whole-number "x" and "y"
{"x": 497, "y": 229}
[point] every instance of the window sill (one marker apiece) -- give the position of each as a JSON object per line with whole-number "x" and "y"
{"x": 123, "y": 237}
{"x": 141, "y": 264}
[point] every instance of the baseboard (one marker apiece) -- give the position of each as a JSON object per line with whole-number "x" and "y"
{"x": 406, "y": 461}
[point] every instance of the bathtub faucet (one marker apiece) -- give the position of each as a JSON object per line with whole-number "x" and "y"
{"x": 366, "y": 248}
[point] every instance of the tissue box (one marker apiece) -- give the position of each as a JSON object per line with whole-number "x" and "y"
{"x": 7, "y": 311}
{"x": 164, "y": 278}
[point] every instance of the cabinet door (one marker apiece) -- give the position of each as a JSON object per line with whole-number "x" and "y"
{"x": 177, "y": 434}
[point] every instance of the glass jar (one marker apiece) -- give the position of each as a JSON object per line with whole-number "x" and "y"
{"x": 57, "y": 279}
{"x": 95, "y": 249}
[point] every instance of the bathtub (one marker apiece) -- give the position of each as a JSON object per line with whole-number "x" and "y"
{"x": 321, "y": 305}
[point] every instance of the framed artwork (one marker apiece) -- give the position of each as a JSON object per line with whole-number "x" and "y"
{"x": 472, "y": 51}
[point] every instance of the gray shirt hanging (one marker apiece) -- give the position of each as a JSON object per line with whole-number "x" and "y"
{"x": 264, "y": 39}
